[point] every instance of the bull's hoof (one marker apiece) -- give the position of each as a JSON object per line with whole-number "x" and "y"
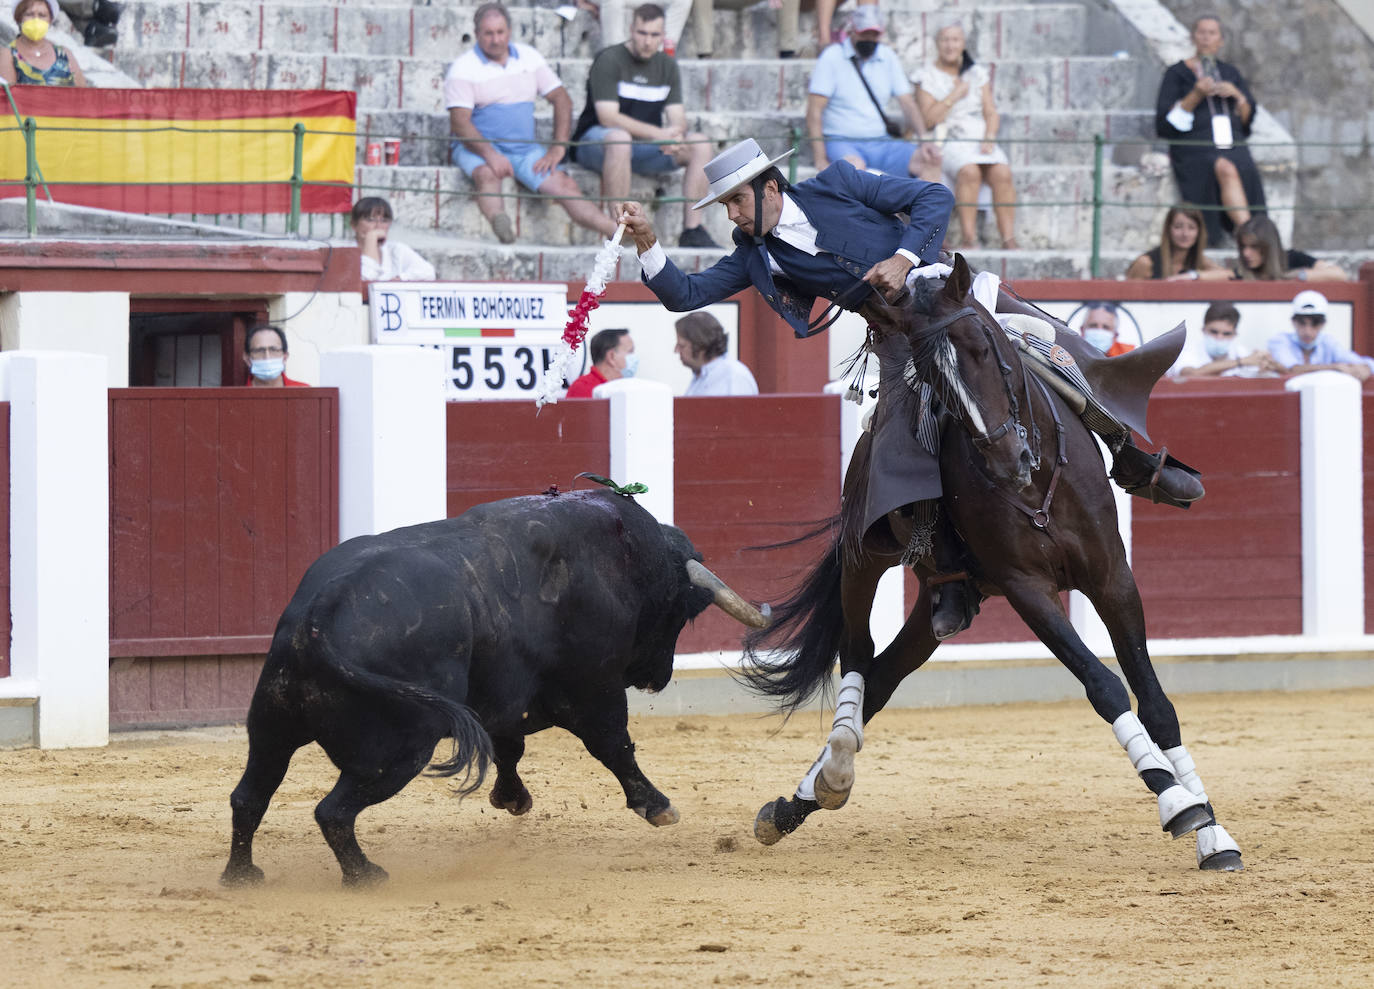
{"x": 241, "y": 875}
{"x": 668, "y": 815}
{"x": 1188, "y": 820}
{"x": 517, "y": 805}
{"x": 1227, "y": 861}
{"x": 369, "y": 875}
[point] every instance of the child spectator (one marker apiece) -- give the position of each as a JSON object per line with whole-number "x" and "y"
{"x": 1217, "y": 353}
{"x": 1308, "y": 348}
{"x": 384, "y": 259}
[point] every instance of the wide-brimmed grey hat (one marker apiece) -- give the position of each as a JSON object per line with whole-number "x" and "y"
{"x": 735, "y": 166}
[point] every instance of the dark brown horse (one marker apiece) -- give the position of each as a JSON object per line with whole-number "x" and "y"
{"x": 1025, "y": 487}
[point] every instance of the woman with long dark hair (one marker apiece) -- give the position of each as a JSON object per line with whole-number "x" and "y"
{"x": 1261, "y": 257}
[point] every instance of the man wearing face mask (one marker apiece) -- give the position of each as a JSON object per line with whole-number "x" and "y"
{"x": 264, "y": 352}
{"x": 1308, "y": 348}
{"x": 1217, "y": 353}
{"x": 613, "y": 356}
{"x": 1099, "y": 329}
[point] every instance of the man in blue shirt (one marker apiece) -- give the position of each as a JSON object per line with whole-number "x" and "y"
{"x": 851, "y": 82}
{"x": 1308, "y": 348}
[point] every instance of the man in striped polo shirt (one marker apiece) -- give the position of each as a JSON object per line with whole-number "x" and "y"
{"x": 634, "y": 94}
{"x": 489, "y": 92}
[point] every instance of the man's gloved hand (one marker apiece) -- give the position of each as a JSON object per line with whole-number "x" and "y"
{"x": 937, "y": 270}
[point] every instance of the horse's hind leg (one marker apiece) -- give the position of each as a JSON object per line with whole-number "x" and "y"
{"x": 1180, "y": 810}
{"x": 1217, "y": 851}
{"x": 907, "y": 652}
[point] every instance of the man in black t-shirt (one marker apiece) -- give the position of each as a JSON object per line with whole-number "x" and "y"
{"x": 634, "y": 97}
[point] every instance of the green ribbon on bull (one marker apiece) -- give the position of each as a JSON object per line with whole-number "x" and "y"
{"x": 625, "y": 490}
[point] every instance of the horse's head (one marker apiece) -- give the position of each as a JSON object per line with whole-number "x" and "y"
{"x": 961, "y": 352}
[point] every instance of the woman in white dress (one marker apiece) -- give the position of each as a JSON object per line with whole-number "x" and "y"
{"x": 955, "y": 95}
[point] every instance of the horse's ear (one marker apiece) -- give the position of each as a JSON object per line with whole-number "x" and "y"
{"x": 959, "y": 280}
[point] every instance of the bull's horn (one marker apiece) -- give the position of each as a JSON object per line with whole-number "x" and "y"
{"x": 726, "y": 600}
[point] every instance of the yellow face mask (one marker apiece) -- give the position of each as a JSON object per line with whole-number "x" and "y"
{"x": 34, "y": 28}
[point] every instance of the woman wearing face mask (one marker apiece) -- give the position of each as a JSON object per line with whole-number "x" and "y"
{"x": 33, "y": 59}
{"x": 264, "y": 352}
{"x": 1179, "y": 256}
{"x": 1262, "y": 257}
{"x": 955, "y": 96}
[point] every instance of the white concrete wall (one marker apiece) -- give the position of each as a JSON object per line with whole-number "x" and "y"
{"x": 59, "y": 543}
{"x": 641, "y": 440}
{"x": 316, "y": 324}
{"x": 79, "y": 322}
{"x": 392, "y": 436}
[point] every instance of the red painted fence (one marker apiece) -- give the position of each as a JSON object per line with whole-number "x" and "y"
{"x": 219, "y": 501}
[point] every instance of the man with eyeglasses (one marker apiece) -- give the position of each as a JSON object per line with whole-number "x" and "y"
{"x": 1218, "y": 352}
{"x": 1307, "y": 348}
{"x": 265, "y": 353}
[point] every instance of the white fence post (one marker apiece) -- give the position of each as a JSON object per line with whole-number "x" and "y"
{"x": 1332, "y": 504}
{"x": 642, "y": 440}
{"x": 392, "y": 436}
{"x": 59, "y": 543}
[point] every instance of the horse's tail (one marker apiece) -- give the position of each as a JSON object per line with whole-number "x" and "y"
{"x": 792, "y": 658}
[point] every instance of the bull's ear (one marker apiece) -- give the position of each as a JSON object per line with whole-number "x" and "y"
{"x": 959, "y": 280}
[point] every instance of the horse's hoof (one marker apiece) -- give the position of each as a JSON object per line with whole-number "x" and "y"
{"x": 1227, "y": 861}
{"x": 663, "y": 818}
{"x": 517, "y": 806}
{"x": 243, "y": 875}
{"x": 767, "y": 828}
{"x": 836, "y": 776}
{"x": 370, "y": 874}
{"x": 1188, "y": 820}
{"x": 831, "y": 798}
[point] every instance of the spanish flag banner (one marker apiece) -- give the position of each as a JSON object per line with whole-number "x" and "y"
{"x": 185, "y": 150}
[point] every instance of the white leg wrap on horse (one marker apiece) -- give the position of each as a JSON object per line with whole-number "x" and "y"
{"x": 806, "y": 789}
{"x": 1213, "y": 839}
{"x": 1185, "y": 769}
{"x": 1140, "y": 747}
{"x": 849, "y": 708}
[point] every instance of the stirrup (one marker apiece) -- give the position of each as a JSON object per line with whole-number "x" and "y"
{"x": 1158, "y": 477}
{"x": 953, "y": 610}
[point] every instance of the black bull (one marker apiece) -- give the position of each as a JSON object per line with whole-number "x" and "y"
{"x": 516, "y": 616}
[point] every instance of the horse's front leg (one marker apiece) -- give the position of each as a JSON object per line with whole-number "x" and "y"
{"x": 1217, "y": 851}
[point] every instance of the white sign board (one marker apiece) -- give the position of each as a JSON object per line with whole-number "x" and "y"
{"x": 497, "y": 337}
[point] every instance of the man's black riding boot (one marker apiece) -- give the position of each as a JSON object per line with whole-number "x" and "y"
{"x": 1156, "y": 476}
{"x": 953, "y": 603}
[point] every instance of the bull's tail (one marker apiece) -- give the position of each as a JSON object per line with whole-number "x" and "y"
{"x": 792, "y": 658}
{"x": 471, "y": 753}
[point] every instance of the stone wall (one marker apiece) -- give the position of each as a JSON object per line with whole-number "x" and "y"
{"x": 1312, "y": 66}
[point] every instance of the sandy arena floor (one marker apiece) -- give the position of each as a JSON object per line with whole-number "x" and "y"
{"x": 982, "y": 846}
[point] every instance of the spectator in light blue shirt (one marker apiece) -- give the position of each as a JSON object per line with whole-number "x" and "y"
{"x": 702, "y": 346}
{"x": 1308, "y": 348}
{"x": 844, "y": 121}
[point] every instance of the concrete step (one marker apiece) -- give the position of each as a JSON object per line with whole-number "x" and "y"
{"x": 1004, "y": 31}
{"x": 416, "y": 83}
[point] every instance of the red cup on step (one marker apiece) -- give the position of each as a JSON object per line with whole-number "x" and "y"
{"x": 391, "y": 151}
{"x": 373, "y": 154}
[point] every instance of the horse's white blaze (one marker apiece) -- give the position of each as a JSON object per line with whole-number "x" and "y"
{"x": 948, "y": 364}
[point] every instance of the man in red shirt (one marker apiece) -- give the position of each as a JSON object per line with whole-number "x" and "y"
{"x": 613, "y": 356}
{"x": 1100, "y": 329}
{"x": 264, "y": 351}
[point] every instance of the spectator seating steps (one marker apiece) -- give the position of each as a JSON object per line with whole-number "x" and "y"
{"x": 386, "y": 82}
{"x": 995, "y": 29}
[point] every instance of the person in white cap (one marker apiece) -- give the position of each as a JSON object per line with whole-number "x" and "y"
{"x": 1308, "y": 348}
{"x": 845, "y": 117}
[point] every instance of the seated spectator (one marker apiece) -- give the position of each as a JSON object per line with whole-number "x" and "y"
{"x": 33, "y": 59}
{"x": 1205, "y": 104}
{"x": 489, "y": 92}
{"x": 1261, "y": 256}
{"x": 265, "y": 354}
{"x": 613, "y": 356}
{"x": 1100, "y": 329}
{"x": 703, "y": 347}
{"x": 1180, "y": 254}
{"x": 825, "y": 21}
{"x": 1308, "y": 348}
{"x": 633, "y": 89}
{"x": 617, "y": 21}
{"x": 789, "y": 18}
{"x": 852, "y": 82}
{"x": 955, "y": 95}
{"x": 384, "y": 259}
{"x": 1218, "y": 353}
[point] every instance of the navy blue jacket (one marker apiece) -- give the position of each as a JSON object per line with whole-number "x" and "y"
{"x": 853, "y": 213}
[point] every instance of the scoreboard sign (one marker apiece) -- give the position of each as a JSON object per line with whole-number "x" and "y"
{"x": 497, "y": 338}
